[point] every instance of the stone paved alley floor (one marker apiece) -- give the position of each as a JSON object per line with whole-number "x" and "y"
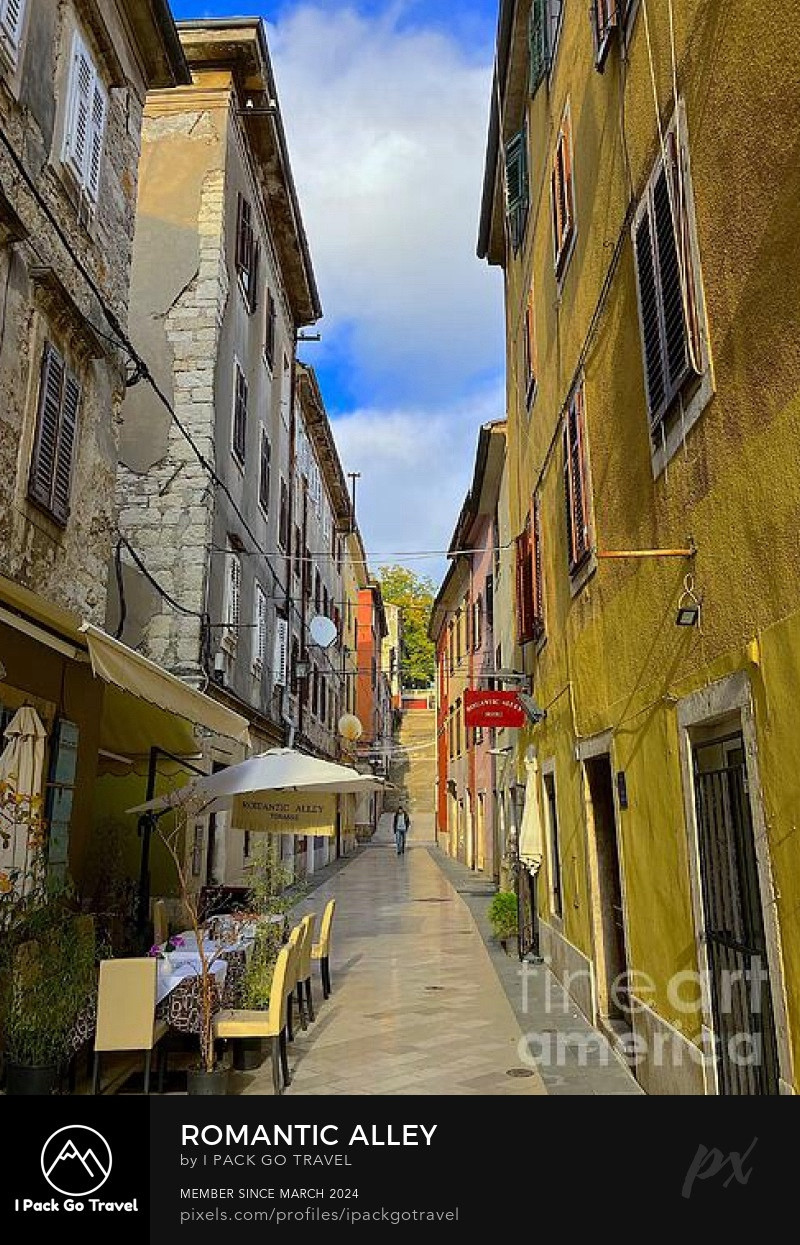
{"x": 423, "y": 1001}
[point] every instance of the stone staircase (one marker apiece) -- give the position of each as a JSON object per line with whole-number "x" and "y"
{"x": 413, "y": 769}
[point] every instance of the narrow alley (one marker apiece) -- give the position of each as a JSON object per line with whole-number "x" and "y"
{"x": 421, "y": 1001}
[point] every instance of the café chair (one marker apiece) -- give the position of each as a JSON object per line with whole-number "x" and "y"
{"x": 294, "y": 946}
{"x": 305, "y": 1001}
{"x": 126, "y": 1013}
{"x": 271, "y": 1023}
{"x": 321, "y": 949}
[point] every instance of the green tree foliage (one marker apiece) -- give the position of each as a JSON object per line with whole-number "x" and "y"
{"x": 414, "y": 595}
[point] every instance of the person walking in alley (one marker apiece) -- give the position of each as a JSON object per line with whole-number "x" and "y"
{"x": 401, "y": 824}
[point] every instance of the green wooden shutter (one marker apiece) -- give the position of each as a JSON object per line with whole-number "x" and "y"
{"x": 537, "y": 43}
{"x": 45, "y": 449}
{"x": 62, "y": 479}
{"x": 517, "y": 186}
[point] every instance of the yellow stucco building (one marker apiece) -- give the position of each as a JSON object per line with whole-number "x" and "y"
{"x": 641, "y": 194}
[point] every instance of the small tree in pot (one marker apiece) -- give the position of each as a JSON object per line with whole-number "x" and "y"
{"x": 503, "y": 916}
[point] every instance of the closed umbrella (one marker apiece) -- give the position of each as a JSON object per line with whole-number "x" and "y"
{"x": 530, "y": 837}
{"x": 22, "y": 769}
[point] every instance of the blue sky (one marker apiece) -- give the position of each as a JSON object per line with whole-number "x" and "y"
{"x": 385, "y": 104}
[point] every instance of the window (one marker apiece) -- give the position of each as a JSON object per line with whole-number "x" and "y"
{"x": 477, "y": 622}
{"x": 555, "y": 848}
{"x": 529, "y": 360}
{"x": 323, "y": 698}
{"x": 11, "y": 14}
{"x": 87, "y": 108}
{"x": 298, "y": 552}
{"x": 295, "y": 659}
{"x": 489, "y": 594}
{"x": 233, "y": 596}
{"x": 576, "y": 483}
{"x": 563, "y": 196}
{"x": 451, "y": 646}
{"x": 50, "y": 480}
{"x": 259, "y": 631}
{"x": 270, "y": 332}
{"x": 530, "y": 597}
{"x": 239, "y": 440}
{"x": 247, "y": 252}
{"x": 670, "y": 293}
{"x": 307, "y": 575}
{"x": 604, "y": 17}
{"x": 315, "y": 693}
{"x": 544, "y": 25}
{"x": 317, "y": 592}
{"x": 459, "y": 616}
{"x": 264, "y": 471}
{"x": 325, "y": 602}
{"x": 374, "y": 671}
{"x": 517, "y": 188}
{"x": 283, "y": 522}
{"x": 280, "y": 659}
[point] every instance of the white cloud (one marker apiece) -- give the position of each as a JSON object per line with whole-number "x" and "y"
{"x": 416, "y": 468}
{"x": 387, "y": 131}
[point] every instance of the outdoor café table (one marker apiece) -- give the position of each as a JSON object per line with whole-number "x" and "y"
{"x": 178, "y": 987}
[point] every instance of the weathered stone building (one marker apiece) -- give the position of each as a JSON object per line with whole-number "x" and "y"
{"x": 73, "y": 82}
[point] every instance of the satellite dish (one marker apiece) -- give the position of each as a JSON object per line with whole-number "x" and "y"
{"x": 323, "y": 630}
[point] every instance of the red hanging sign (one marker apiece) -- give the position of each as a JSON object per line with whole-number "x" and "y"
{"x": 497, "y": 709}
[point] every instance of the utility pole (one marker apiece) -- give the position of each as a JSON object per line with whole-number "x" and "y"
{"x": 352, "y": 477}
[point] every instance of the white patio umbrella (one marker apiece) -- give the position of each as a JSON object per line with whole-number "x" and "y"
{"x": 530, "y": 834}
{"x": 279, "y": 769}
{"x": 22, "y": 768}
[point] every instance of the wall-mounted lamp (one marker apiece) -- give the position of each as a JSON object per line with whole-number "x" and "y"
{"x": 689, "y": 606}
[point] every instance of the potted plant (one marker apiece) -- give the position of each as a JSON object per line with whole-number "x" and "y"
{"x": 269, "y": 899}
{"x": 503, "y": 916}
{"x": 208, "y": 1075}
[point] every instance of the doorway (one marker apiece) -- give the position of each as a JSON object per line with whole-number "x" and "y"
{"x": 611, "y": 955}
{"x": 745, "y": 1048}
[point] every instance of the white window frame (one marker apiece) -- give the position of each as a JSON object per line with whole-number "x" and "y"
{"x": 81, "y": 165}
{"x": 11, "y": 29}
{"x": 280, "y": 663}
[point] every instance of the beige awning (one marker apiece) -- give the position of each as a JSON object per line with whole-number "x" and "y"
{"x": 136, "y": 675}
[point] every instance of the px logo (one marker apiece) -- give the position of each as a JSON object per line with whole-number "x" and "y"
{"x": 76, "y": 1160}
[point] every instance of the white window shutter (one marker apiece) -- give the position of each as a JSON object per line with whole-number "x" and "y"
{"x": 234, "y": 596}
{"x": 95, "y": 145}
{"x": 77, "y": 137}
{"x": 11, "y": 15}
{"x": 259, "y": 630}
{"x": 280, "y": 662}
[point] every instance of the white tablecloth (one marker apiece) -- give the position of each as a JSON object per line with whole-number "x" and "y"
{"x": 172, "y": 972}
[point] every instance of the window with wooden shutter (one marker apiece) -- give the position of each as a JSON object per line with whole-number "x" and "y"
{"x": 281, "y": 653}
{"x": 576, "y": 483}
{"x": 517, "y": 187}
{"x": 247, "y": 252}
{"x": 294, "y": 681}
{"x": 544, "y": 25}
{"x": 529, "y": 360}
{"x": 667, "y": 285}
{"x": 271, "y": 328}
{"x": 283, "y": 520}
{"x": 259, "y": 630}
{"x": 537, "y": 582}
{"x": 50, "y": 479}
{"x": 524, "y": 586}
{"x": 264, "y": 471}
{"x": 239, "y": 440}
{"x": 87, "y": 109}
{"x": 489, "y": 594}
{"x": 12, "y": 13}
{"x": 604, "y": 16}
{"x": 477, "y": 622}
{"x": 233, "y": 597}
{"x": 563, "y": 196}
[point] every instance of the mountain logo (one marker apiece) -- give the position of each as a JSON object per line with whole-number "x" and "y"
{"x": 76, "y": 1160}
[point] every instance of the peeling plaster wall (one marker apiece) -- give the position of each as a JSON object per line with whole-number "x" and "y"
{"x": 178, "y": 295}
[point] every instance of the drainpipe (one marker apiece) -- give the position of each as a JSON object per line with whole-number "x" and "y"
{"x": 285, "y": 702}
